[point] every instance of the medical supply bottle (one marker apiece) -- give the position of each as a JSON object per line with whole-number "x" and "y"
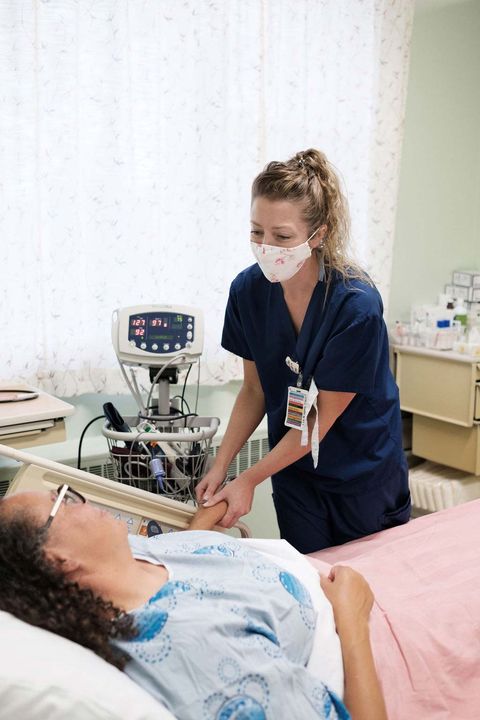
{"x": 460, "y": 313}
{"x": 400, "y": 333}
{"x": 450, "y": 311}
{"x": 441, "y": 337}
{"x": 445, "y": 335}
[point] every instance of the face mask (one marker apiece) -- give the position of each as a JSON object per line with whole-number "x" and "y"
{"x": 280, "y": 263}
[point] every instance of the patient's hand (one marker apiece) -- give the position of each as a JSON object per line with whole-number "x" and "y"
{"x": 352, "y": 601}
{"x": 350, "y": 596}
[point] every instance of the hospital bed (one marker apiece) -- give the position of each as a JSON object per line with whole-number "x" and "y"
{"x": 425, "y": 624}
{"x": 143, "y": 511}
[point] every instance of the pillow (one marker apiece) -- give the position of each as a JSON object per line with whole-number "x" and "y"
{"x": 43, "y": 675}
{"x": 326, "y": 658}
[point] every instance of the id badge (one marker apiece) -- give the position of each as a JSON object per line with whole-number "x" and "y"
{"x": 296, "y": 408}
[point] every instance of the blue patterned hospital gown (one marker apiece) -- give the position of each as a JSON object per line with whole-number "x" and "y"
{"x": 228, "y": 636}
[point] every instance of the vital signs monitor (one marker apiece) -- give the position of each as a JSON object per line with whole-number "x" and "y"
{"x": 166, "y": 447}
{"x": 152, "y": 335}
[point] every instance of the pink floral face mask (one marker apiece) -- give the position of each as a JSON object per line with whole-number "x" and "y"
{"x": 280, "y": 263}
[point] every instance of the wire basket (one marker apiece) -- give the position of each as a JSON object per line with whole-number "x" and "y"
{"x": 168, "y": 460}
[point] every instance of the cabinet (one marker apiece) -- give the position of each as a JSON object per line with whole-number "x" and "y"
{"x": 442, "y": 391}
{"x": 34, "y": 422}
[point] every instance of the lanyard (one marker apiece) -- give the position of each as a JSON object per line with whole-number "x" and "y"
{"x": 304, "y": 397}
{"x": 305, "y": 353}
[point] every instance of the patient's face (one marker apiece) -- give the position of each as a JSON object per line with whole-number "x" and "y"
{"x": 81, "y": 528}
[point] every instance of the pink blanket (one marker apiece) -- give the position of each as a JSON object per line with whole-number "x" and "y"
{"x": 425, "y": 623}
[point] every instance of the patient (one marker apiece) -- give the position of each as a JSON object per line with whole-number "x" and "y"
{"x": 205, "y": 624}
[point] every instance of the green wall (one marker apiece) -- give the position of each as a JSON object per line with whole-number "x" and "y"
{"x": 438, "y": 216}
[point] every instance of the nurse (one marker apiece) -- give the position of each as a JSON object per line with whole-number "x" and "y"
{"x": 308, "y": 323}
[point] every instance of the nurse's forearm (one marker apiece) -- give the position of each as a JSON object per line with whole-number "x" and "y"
{"x": 330, "y": 406}
{"x": 247, "y": 413}
{"x": 286, "y": 452}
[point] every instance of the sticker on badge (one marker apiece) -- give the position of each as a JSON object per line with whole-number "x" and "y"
{"x": 296, "y": 408}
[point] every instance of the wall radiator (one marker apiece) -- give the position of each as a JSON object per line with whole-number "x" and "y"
{"x": 436, "y": 487}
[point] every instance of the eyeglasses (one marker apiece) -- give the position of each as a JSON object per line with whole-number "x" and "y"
{"x": 67, "y": 495}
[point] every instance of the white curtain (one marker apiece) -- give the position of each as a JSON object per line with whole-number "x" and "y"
{"x": 130, "y": 132}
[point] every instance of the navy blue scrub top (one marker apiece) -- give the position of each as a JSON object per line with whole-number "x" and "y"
{"x": 343, "y": 345}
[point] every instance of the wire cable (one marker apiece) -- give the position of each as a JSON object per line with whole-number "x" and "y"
{"x": 137, "y": 390}
{"x": 136, "y": 396}
{"x": 198, "y": 387}
{"x": 159, "y": 373}
{"x": 79, "y": 455}
{"x": 185, "y": 386}
{"x": 184, "y": 402}
{"x": 173, "y": 417}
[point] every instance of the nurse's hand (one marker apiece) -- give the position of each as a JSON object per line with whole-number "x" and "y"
{"x": 239, "y": 496}
{"x": 208, "y": 486}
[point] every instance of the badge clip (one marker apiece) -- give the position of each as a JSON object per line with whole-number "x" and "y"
{"x": 292, "y": 365}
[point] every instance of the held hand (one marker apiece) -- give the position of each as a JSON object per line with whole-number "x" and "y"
{"x": 239, "y": 496}
{"x": 207, "y": 487}
{"x": 350, "y": 596}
